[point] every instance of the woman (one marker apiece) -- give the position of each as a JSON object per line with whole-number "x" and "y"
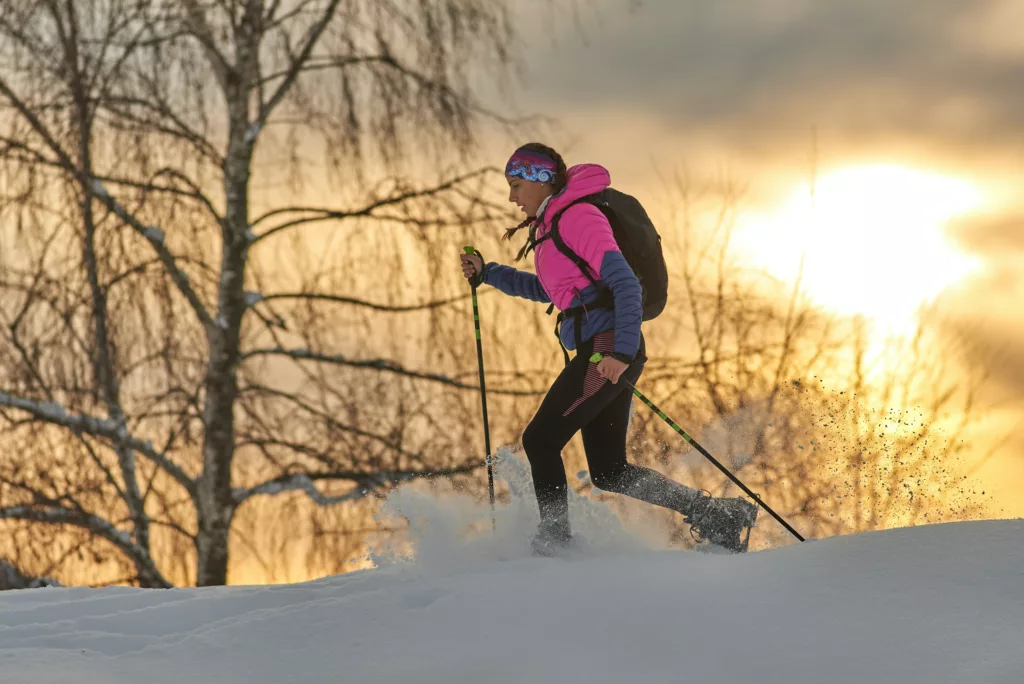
{"x": 594, "y": 398}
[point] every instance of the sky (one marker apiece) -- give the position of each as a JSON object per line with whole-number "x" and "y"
{"x": 938, "y": 604}
{"x": 905, "y": 118}
{"x": 917, "y": 104}
{"x": 907, "y": 80}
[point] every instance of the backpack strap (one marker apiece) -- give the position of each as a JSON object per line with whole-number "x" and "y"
{"x": 532, "y": 242}
{"x": 558, "y": 335}
{"x": 556, "y": 237}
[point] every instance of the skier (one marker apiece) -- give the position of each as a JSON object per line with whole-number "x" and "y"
{"x": 586, "y": 396}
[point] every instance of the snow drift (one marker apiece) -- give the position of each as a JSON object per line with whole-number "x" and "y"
{"x": 940, "y": 603}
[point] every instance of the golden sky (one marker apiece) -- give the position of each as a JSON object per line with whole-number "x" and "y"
{"x": 907, "y": 114}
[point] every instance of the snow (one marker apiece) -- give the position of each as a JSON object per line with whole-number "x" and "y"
{"x": 252, "y": 132}
{"x": 939, "y": 603}
{"x": 55, "y": 413}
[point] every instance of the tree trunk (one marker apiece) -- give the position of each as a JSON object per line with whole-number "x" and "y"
{"x": 216, "y": 501}
{"x": 103, "y": 361}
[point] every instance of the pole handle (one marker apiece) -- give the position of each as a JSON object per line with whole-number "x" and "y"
{"x": 475, "y": 280}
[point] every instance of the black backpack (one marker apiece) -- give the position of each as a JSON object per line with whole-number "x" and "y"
{"x": 638, "y": 240}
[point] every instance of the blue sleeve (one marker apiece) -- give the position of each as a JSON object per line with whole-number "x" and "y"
{"x": 629, "y": 312}
{"x": 514, "y": 282}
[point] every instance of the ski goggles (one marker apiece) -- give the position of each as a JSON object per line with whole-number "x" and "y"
{"x": 531, "y": 166}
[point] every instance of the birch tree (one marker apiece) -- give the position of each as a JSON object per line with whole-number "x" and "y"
{"x": 162, "y": 361}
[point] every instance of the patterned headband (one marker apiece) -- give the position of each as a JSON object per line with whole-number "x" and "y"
{"x": 531, "y": 166}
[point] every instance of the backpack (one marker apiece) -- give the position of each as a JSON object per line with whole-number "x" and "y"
{"x": 638, "y": 240}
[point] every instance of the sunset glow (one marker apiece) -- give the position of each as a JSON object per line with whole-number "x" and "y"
{"x": 872, "y": 239}
{"x": 256, "y": 264}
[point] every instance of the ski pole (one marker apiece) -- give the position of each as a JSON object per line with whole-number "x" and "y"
{"x": 483, "y": 390}
{"x": 596, "y": 358}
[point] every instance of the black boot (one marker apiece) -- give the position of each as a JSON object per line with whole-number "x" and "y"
{"x": 722, "y": 522}
{"x": 552, "y": 536}
{"x": 553, "y": 533}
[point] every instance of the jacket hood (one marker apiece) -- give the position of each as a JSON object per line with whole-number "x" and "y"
{"x": 582, "y": 180}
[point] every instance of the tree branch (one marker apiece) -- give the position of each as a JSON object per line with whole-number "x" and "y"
{"x": 337, "y": 299}
{"x": 98, "y": 427}
{"x": 152, "y": 234}
{"x": 198, "y": 28}
{"x": 332, "y": 422}
{"x": 60, "y": 515}
{"x": 329, "y": 214}
{"x": 365, "y": 483}
{"x": 382, "y": 365}
{"x": 182, "y": 130}
{"x": 323, "y": 63}
{"x": 155, "y": 237}
{"x": 309, "y": 42}
{"x": 193, "y": 192}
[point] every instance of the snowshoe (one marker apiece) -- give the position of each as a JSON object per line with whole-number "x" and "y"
{"x": 722, "y": 521}
{"x": 551, "y": 539}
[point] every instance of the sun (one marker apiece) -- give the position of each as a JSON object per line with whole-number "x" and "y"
{"x": 872, "y": 240}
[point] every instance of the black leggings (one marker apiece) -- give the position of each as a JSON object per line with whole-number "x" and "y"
{"x": 580, "y": 399}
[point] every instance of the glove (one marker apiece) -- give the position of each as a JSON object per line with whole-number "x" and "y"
{"x": 473, "y": 268}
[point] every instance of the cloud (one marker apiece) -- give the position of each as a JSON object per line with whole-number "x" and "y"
{"x": 984, "y": 311}
{"x": 758, "y": 71}
{"x": 914, "y": 82}
{"x": 996, "y": 238}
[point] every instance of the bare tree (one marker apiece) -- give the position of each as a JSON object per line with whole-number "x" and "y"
{"x": 176, "y": 340}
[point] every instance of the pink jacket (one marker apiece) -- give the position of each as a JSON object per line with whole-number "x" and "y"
{"x": 585, "y": 231}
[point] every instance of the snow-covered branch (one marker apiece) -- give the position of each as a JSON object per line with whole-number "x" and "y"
{"x": 99, "y": 427}
{"x": 155, "y": 236}
{"x": 59, "y": 515}
{"x": 290, "y": 483}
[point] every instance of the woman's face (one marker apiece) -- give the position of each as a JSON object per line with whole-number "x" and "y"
{"x": 527, "y": 195}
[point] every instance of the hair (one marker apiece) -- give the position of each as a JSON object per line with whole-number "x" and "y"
{"x": 561, "y": 178}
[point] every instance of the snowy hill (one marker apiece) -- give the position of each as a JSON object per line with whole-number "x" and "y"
{"x": 942, "y": 603}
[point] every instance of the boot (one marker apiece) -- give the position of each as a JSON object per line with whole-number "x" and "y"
{"x": 722, "y": 521}
{"x": 552, "y": 536}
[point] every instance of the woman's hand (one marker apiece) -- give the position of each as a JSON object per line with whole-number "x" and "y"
{"x": 611, "y": 368}
{"x": 472, "y": 265}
